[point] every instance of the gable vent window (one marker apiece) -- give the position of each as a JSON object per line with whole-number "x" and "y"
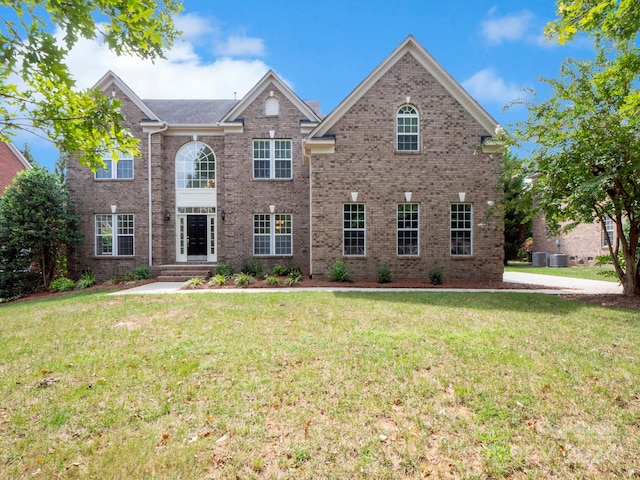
{"x": 271, "y": 107}
{"x": 407, "y": 129}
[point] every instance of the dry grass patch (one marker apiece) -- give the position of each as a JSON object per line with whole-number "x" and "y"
{"x": 319, "y": 385}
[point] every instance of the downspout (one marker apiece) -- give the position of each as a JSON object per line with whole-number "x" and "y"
{"x": 164, "y": 127}
{"x": 310, "y": 218}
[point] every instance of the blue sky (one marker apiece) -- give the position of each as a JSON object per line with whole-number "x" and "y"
{"x": 323, "y": 50}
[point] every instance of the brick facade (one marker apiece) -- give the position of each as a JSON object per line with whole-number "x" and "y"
{"x": 11, "y": 162}
{"x": 362, "y": 159}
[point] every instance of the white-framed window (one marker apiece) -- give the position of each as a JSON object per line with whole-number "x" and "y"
{"x": 272, "y": 159}
{"x": 114, "y": 234}
{"x": 120, "y": 170}
{"x": 354, "y": 241}
{"x": 271, "y": 107}
{"x": 461, "y": 229}
{"x": 607, "y": 232}
{"x": 195, "y": 166}
{"x": 272, "y": 234}
{"x": 407, "y": 129}
{"x": 408, "y": 228}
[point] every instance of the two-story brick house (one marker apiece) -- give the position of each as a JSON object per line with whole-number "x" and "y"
{"x": 393, "y": 175}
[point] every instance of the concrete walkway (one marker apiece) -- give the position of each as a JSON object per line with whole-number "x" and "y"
{"x": 555, "y": 285}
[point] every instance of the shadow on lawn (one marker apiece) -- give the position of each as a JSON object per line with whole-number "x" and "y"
{"x": 507, "y": 301}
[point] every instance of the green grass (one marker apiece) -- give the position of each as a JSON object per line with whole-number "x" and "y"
{"x": 318, "y": 385}
{"x": 586, "y": 272}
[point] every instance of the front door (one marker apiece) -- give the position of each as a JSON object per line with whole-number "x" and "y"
{"x": 197, "y": 237}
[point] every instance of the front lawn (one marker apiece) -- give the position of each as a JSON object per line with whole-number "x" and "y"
{"x": 318, "y": 385}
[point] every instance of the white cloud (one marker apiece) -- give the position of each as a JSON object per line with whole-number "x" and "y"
{"x": 184, "y": 74}
{"x": 236, "y": 46}
{"x": 507, "y": 28}
{"x": 487, "y": 87}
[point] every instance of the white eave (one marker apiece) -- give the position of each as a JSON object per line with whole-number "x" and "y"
{"x": 110, "y": 78}
{"x": 18, "y": 154}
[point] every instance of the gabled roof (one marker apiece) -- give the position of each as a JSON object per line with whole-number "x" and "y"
{"x": 111, "y": 78}
{"x": 409, "y": 45}
{"x": 18, "y": 154}
{"x": 271, "y": 77}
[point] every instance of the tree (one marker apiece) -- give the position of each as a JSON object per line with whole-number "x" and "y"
{"x": 37, "y": 222}
{"x": 37, "y": 92}
{"x": 516, "y": 204}
{"x": 586, "y": 154}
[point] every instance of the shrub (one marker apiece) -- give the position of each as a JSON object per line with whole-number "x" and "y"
{"x": 242, "y": 279}
{"x": 62, "y": 285}
{"x": 280, "y": 271}
{"x": 293, "y": 279}
{"x": 87, "y": 279}
{"x": 339, "y": 272}
{"x": 384, "y": 274}
{"x": 225, "y": 270}
{"x": 295, "y": 270}
{"x": 272, "y": 280}
{"x": 435, "y": 276}
{"x": 141, "y": 272}
{"x": 218, "y": 280}
{"x": 194, "y": 282}
{"x": 16, "y": 284}
{"x": 252, "y": 267}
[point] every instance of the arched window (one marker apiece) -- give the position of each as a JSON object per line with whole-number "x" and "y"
{"x": 271, "y": 107}
{"x": 407, "y": 129}
{"x": 195, "y": 166}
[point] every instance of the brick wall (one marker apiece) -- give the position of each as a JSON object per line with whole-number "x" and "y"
{"x": 365, "y": 161}
{"x": 10, "y": 165}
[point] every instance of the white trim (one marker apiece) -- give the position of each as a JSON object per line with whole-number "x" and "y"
{"x": 470, "y": 229}
{"x": 398, "y": 230}
{"x": 110, "y": 78}
{"x": 364, "y": 229}
{"x": 18, "y": 154}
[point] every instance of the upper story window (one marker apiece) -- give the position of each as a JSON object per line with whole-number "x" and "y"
{"x": 272, "y": 159}
{"x": 122, "y": 169}
{"x": 407, "y": 129}
{"x": 461, "y": 229}
{"x": 271, "y": 107}
{"x": 195, "y": 166}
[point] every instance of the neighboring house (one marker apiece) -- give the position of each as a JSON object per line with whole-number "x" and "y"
{"x": 391, "y": 176}
{"x": 11, "y": 162}
{"x": 582, "y": 244}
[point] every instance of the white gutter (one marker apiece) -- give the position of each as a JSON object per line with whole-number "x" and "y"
{"x": 164, "y": 127}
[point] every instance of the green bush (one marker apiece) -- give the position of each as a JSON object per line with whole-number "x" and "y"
{"x": 17, "y": 284}
{"x": 62, "y": 285}
{"x": 339, "y": 272}
{"x": 435, "y": 275}
{"x": 384, "y": 274}
{"x": 293, "y": 279}
{"x": 242, "y": 279}
{"x": 280, "y": 271}
{"x": 295, "y": 270}
{"x": 218, "y": 280}
{"x": 272, "y": 280}
{"x": 225, "y": 270}
{"x": 87, "y": 279}
{"x": 194, "y": 282}
{"x": 141, "y": 272}
{"x": 252, "y": 267}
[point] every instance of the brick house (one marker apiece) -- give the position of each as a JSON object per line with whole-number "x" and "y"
{"x": 392, "y": 175}
{"x": 11, "y": 162}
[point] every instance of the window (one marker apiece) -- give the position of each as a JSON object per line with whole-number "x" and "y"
{"x": 353, "y": 229}
{"x": 461, "y": 222}
{"x": 607, "y": 232}
{"x": 407, "y": 129}
{"x": 271, "y": 107}
{"x": 195, "y": 166}
{"x": 408, "y": 232}
{"x": 123, "y": 167}
{"x": 272, "y": 159}
{"x": 272, "y": 234}
{"x": 114, "y": 235}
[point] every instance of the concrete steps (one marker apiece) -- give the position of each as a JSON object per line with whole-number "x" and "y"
{"x": 184, "y": 272}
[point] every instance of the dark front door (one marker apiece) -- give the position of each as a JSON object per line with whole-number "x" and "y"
{"x": 196, "y": 235}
